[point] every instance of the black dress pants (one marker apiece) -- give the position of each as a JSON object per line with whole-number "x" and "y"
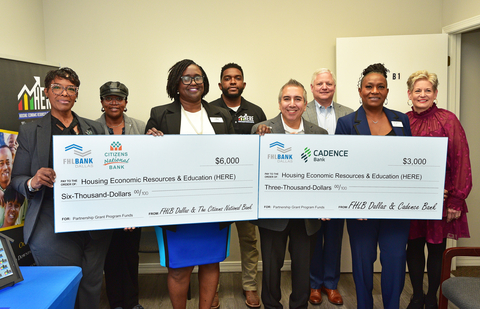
{"x": 273, "y": 245}
{"x": 121, "y": 269}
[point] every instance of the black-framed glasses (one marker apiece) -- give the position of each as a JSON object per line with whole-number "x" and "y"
{"x": 59, "y": 89}
{"x": 187, "y": 80}
{"x": 110, "y": 100}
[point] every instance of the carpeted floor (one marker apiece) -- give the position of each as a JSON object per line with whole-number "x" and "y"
{"x": 467, "y": 271}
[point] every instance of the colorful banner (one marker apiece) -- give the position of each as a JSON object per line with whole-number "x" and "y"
{"x": 21, "y": 92}
{"x": 22, "y": 99}
{"x": 13, "y": 205}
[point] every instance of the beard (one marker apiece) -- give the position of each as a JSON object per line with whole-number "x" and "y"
{"x": 232, "y": 96}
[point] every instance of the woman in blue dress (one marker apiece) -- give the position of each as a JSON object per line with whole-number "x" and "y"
{"x": 182, "y": 247}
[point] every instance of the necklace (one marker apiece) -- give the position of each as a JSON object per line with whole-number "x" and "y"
{"x": 375, "y": 121}
{"x": 116, "y": 125}
{"x": 190, "y": 122}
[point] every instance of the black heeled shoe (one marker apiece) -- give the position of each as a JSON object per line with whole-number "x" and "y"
{"x": 416, "y": 302}
{"x": 431, "y": 302}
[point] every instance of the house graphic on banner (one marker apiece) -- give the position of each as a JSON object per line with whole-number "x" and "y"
{"x": 32, "y": 102}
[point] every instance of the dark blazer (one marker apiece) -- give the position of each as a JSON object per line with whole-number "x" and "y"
{"x": 167, "y": 118}
{"x": 34, "y": 144}
{"x": 356, "y": 123}
{"x": 311, "y": 225}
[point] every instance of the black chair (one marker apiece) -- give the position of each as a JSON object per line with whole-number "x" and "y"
{"x": 463, "y": 292}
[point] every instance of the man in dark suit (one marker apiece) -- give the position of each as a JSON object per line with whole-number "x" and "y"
{"x": 33, "y": 176}
{"x": 274, "y": 233}
{"x": 325, "y": 266}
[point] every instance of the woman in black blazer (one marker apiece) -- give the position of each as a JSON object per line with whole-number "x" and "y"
{"x": 372, "y": 118}
{"x": 184, "y": 246}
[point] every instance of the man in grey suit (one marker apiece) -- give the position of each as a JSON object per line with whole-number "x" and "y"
{"x": 325, "y": 265}
{"x": 274, "y": 233}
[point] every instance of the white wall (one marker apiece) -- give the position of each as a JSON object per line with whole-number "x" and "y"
{"x": 21, "y": 30}
{"x": 457, "y": 10}
{"x": 136, "y": 42}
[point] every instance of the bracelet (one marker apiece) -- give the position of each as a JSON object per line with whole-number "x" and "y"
{"x": 30, "y": 188}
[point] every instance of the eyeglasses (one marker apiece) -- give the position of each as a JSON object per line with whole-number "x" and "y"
{"x": 187, "y": 80}
{"x": 59, "y": 89}
{"x": 110, "y": 100}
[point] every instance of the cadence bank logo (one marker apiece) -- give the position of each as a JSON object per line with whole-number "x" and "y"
{"x": 282, "y": 156}
{"x": 32, "y": 102}
{"x": 116, "y": 159}
{"x": 77, "y": 151}
{"x": 306, "y": 154}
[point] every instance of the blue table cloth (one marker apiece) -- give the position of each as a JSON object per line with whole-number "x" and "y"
{"x": 43, "y": 287}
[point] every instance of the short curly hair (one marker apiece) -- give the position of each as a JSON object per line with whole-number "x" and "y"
{"x": 422, "y": 74}
{"x": 231, "y": 65}
{"x": 373, "y": 68}
{"x": 175, "y": 73}
{"x": 65, "y": 73}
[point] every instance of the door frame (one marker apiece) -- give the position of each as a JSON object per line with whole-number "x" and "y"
{"x": 454, "y": 32}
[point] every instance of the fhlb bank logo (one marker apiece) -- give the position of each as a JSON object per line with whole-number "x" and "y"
{"x": 81, "y": 162}
{"x": 283, "y": 156}
{"x": 116, "y": 159}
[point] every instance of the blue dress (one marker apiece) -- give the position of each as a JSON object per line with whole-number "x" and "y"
{"x": 193, "y": 244}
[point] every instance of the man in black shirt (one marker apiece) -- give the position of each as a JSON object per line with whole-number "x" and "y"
{"x": 244, "y": 115}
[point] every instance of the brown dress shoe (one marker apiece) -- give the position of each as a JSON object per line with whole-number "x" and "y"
{"x": 315, "y": 297}
{"x": 216, "y": 302}
{"x": 333, "y": 296}
{"x": 251, "y": 299}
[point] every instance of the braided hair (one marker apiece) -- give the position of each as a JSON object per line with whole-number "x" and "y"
{"x": 176, "y": 72}
{"x": 373, "y": 68}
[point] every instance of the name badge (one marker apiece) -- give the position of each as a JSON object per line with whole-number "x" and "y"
{"x": 397, "y": 124}
{"x": 216, "y": 119}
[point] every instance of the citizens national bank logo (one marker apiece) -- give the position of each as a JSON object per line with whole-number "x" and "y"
{"x": 77, "y": 151}
{"x": 282, "y": 154}
{"x": 32, "y": 102}
{"x": 116, "y": 158}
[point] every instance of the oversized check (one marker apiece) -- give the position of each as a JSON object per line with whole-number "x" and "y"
{"x": 114, "y": 181}
{"x": 344, "y": 176}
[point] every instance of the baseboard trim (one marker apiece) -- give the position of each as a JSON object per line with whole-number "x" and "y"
{"x": 226, "y": 267}
{"x": 232, "y": 267}
{"x": 468, "y": 261}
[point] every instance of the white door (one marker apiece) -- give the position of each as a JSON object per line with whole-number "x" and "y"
{"x": 402, "y": 55}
